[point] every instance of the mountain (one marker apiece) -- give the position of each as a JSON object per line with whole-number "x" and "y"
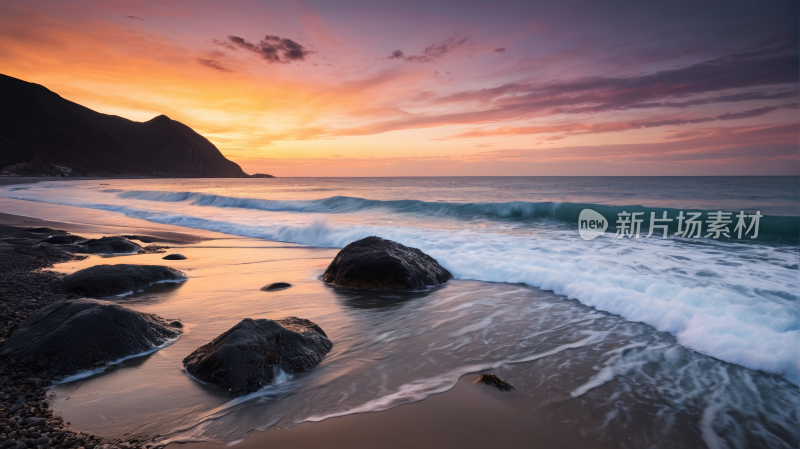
{"x": 44, "y": 134}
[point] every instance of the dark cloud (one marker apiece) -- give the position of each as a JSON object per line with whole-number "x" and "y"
{"x": 397, "y": 54}
{"x": 748, "y": 69}
{"x": 435, "y": 51}
{"x": 272, "y": 48}
{"x": 708, "y": 144}
{"x": 733, "y": 98}
{"x": 755, "y": 112}
{"x": 500, "y": 50}
{"x": 224, "y": 44}
{"x": 134, "y": 17}
{"x": 210, "y": 63}
{"x": 597, "y": 128}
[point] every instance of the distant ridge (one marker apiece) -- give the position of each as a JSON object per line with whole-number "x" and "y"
{"x": 44, "y": 134}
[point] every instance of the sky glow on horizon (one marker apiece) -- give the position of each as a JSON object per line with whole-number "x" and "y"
{"x": 435, "y": 88}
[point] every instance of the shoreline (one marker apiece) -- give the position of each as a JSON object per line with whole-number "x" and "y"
{"x": 488, "y": 415}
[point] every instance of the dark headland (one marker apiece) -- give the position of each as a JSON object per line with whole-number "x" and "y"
{"x": 43, "y": 134}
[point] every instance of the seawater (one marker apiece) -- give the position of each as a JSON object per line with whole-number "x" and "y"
{"x": 685, "y": 327}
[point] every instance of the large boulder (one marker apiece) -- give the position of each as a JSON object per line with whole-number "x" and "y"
{"x": 253, "y": 353}
{"x": 108, "y": 245}
{"x": 110, "y": 280}
{"x": 381, "y": 264}
{"x": 70, "y": 337}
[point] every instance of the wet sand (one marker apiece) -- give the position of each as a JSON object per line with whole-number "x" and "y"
{"x": 468, "y": 416}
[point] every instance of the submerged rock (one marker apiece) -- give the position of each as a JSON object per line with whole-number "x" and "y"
{"x": 71, "y": 337}
{"x": 380, "y": 264}
{"x": 275, "y": 286}
{"x": 108, "y": 280}
{"x": 174, "y": 257}
{"x": 253, "y": 353}
{"x": 108, "y": 245}
{"x": 494, "y": 381}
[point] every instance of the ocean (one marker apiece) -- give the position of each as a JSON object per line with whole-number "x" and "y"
{"x": 688, "y": 338}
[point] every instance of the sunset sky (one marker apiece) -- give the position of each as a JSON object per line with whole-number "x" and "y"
{"x": 342, "y": 88}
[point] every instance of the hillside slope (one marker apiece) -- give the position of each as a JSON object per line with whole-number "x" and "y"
{"x": 39, "y": 130}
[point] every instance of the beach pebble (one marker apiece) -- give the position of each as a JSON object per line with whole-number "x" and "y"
{"x": 275, "y": 286}
{"x": 8, "y": 443}
{"x": 30, "y": 442}
{"x": 174, "y": 257}
{"x": 494, "y": 381}
{"x": 42, "y": 441}
{"x": 21, "y": 446}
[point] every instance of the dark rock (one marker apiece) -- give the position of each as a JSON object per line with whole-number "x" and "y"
{"x": 42, "y": 441}
{"x": 380, "y": 264}
{"x": 30, "y": 442}
{"x": 107, "y": 280}
{"x": 108, "y": 245}
{"x": 21, "y": 446}
{"x": 275, "y": 286}
{"x": 46, "y": 231}
{"x": 174, "y": 257}
{"x": 491, "y": 379}
{"x": 35, "y": 421}
{"x": 70, "y": 337}
{"x": 63, "y": 239}
{"x": 251, "y": 354}
{"x": 145, "y": 238}
{"x": 155, "y": 249}
{"x": 8, "y": 443}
